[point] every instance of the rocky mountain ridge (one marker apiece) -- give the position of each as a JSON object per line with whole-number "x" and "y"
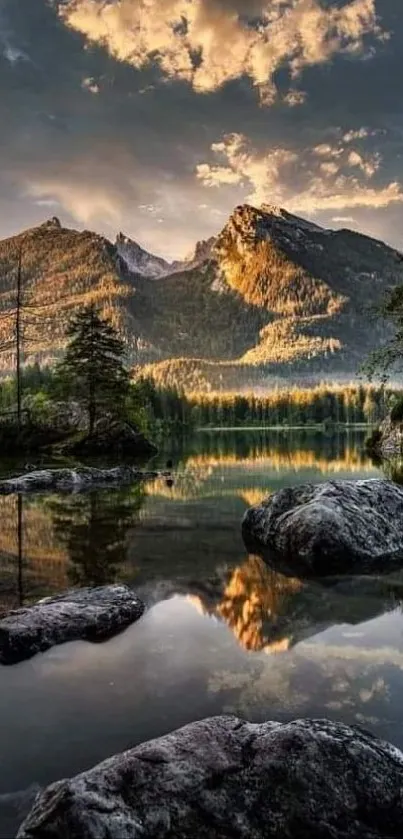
{"x": 273, "y": 297}
{"x": 140, "y": 261}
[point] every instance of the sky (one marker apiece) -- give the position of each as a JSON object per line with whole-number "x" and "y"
{"x": 157, "y": 117}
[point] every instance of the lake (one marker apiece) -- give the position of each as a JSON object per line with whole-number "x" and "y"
{"x": 223, "y": 632}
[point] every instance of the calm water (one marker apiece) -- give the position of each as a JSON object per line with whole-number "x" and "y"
{"x": 223, "y": 633}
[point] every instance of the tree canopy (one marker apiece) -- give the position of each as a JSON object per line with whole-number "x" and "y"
{"x": 389, "y": 357}
{"x": 93, "y": 370}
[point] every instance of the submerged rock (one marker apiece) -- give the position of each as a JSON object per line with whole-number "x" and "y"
{"x": 70, "y": 480}
{"x": 337, "y": 526}
{"x": 91, "y": 614}
{"x": 223, "y": 778}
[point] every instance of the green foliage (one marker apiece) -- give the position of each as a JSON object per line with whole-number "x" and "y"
{"x": 92, "y": 371}
{"x": 39, "y": 407}
{"x": 388, "y": 358}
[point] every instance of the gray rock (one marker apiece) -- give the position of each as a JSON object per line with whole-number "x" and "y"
{"x": 223, "y": 778}
{"x": 73, "y": 480}
{"x": 390, "y": 441}
{"x": 329, "y": 528}
{"x": 91, "y": 614}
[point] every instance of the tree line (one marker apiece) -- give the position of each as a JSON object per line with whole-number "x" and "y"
{"x": 353, "y": 404}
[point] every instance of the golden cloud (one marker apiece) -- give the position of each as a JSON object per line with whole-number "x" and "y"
{"x": 208, "y": 45}
{"x": 322, "y": 178}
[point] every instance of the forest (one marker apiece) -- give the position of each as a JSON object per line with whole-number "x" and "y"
{"x": 159, "y": 409}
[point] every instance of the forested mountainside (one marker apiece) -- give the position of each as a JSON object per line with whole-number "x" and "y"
{"x": 273, "y": 297}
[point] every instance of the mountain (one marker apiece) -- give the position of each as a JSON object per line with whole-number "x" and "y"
{"x": 140, "y": 261}
{"x": 272, "y": 298}
{"x": 62, "y": 270}
{"x": 303, "y": 296}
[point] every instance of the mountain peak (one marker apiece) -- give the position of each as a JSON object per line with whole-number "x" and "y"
{"x": 202, "y": 252}
{"x": 53, "y": 222}
{"x": 140, "y": 261}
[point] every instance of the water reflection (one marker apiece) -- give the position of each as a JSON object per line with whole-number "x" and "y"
{"x": 215, "y": 616}
{"x": 267, "y": 611}
{"x": 93, "y": 528}
{"x": 187, "y": 521}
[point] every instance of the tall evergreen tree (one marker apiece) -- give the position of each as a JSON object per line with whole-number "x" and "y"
{"x": 92, "y": 370}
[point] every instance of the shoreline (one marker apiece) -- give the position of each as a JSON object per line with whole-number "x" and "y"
{"x": 358, "y": 426}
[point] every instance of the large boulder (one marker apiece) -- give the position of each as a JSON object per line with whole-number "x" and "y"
{"x": 73, "y": 480}
{"x": 91, "y": 614}
{"x": 224, "y": 778}
{"x": 337, "y": 526}
{"x": 112, "y": 437}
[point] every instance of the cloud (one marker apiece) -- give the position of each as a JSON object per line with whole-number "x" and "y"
{"x": 210, "y": 42}
{"x": 88, "y": 206}
{"x": 105, "y": 158}
{"x": 8, "y": 48}
{"x": 294, "y": 97}
{"x": 307, "y": 181}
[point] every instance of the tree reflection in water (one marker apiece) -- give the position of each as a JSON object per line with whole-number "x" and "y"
{"x": 93, "y": 528}
{"x": 20, "y": 536}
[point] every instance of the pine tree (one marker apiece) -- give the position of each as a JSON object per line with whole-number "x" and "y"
{"x": 93, "y": 370}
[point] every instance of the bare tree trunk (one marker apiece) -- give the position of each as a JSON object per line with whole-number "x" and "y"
{"x": 92, "y": 399}
{"x": 20, "y": 551}
{"x": 18, "y": 340}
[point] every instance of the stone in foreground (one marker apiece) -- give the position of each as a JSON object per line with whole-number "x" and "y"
{"x": 328, "y": 528}
{"x": 73, "y": 480}
{"x": 90, "y": 614}
{"x": 223, "y": 778}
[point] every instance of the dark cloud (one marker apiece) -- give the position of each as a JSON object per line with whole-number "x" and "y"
{"x": 110, "y": 145}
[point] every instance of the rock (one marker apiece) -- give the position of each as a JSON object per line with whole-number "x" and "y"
{"x": 112, "y": 437}
{"x": 14, "y": 807}
{"x": 328, "y": 528}
{"x": 223, "y": 778}
{"x": 91, "y": 614}
{"x": 388, "y": 438}
{"x": 73, "y": 480}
